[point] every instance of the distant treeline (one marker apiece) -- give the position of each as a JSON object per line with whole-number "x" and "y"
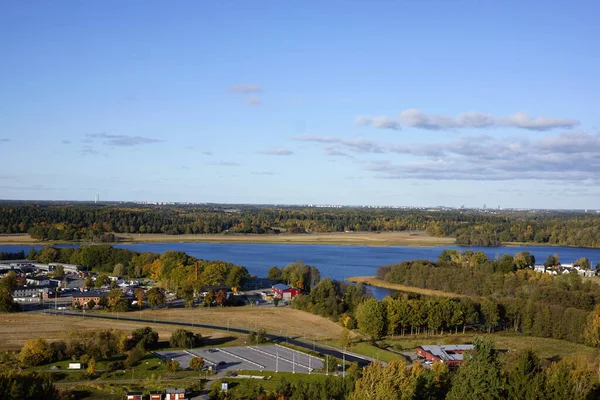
{"x": 80, "y": 222}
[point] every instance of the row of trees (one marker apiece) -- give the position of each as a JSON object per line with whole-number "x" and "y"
{"x": 22, "y": 385}
{"x": 80, "y": 222}
{"x": 403, "y": 315}
{"x": 102, "y": 345}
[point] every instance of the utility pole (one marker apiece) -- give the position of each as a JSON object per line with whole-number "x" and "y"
{"x": 344, "y": 363}
{"x": 326, "y": 365}
{"x": 277, "y": 360}
{"x": 293, "y": 363}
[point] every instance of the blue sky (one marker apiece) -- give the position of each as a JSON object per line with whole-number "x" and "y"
{"x": 336, "y": 102}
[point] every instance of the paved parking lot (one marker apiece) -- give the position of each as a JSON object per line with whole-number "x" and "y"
{"x": 256, "y": 358}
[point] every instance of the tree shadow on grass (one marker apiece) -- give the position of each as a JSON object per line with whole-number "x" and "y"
{"x": 216, "y": 341}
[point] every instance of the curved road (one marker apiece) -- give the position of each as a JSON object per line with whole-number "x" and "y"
{"x": 325, "y": 350}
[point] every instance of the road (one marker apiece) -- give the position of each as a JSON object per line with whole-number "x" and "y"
{"x": 312, "y": 346}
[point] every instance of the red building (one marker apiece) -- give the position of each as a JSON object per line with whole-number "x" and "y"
{"x": 134, "y": 395}
{"x": 84, "y": 297}
{"x": 451, "y": 354}
{"x": 175, "y": 394}
{"x": 284, "y": 291}
{"x": 156, "y": 396}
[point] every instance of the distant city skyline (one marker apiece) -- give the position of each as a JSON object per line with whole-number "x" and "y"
{"x": 359, "y": 103}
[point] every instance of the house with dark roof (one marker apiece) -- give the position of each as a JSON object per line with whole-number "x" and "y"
{"x": 84, "y": 297}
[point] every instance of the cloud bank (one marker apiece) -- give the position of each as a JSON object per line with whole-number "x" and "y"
{"x": 121, "y": 140}
{"x": 415, "y": 118}
{"x": 573, "y": 157}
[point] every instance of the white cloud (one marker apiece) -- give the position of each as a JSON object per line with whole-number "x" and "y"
{"x": 416, "y": 118}
{"x": 245, "y": 89}
{"x": 381, "y": 122}
{"x": 120, "y": 140}
{"x": 277, "y": 152}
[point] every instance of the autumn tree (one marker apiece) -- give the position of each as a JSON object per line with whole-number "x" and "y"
{"x": 173, "y": 366}
{"x": 35, "y": 352}
{"x": 139, "y": 296}
{"x": 197, "y": 363}
{"x": 221, "y": 298}
{"x": 156, "y": 297}
{"x": 591, "y": 333}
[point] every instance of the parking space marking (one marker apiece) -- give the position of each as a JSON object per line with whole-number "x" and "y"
{"x": 243, "y": 359}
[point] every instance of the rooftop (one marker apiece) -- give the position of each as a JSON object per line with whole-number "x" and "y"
{"x": 91, "y": 293}
{"x": 449, "y": 352}
{"x": 281, "y": 286}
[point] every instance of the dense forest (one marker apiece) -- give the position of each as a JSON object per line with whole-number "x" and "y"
{"x": 91, "y": 222}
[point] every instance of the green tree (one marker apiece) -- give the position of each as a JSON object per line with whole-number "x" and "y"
{"x": 7, "y": 304}
{"x": 479, "y": 378}
{"x": 102, "y": 280}
{"x": 119, "y": 270}
{"x": 274, "y": 274}
{"x": 59, "y": 271}
{"x": 145, "y": 337}
{"x": 370, "y": 316}
{"x": 91, "y": 304}
{"x": 506, "y": 264}
{"x": 489, "y": 311}
{"x": 103, "y": 302}
{"x": 583, "y": 262}
{"x": 185, "y": 339}
{"x": 135, "y": 356}
{"x": 525, "y": 380}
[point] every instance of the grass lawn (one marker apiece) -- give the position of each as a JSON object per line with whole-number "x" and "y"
{"x": 367, "y": 349}
{"x": 276, "y": 320}
{"x": 273, "y": 379}
{"x": 16, "y": 328}
{"x": 551, "y": 349}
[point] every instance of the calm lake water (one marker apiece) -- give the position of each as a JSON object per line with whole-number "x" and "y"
{"x": 334, "y": 261}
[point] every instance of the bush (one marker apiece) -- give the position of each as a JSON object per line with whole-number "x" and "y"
{"x": 173, "y": 366}
{"x": 134, "y": 356}
{"x": 186, "y": 339}
{"x": 116, "y": 365}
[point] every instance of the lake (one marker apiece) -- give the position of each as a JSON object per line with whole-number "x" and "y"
{"x": 334, "y": 261}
